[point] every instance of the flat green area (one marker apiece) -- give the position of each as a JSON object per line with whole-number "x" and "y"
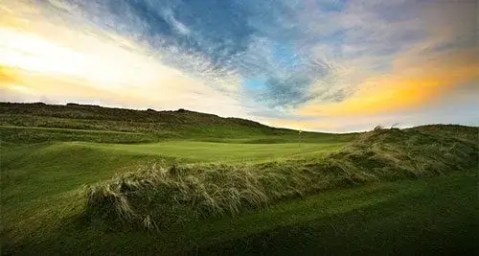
{"x": 215, "y": 151}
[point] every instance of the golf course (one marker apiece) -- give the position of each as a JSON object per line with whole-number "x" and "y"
{"x": 89, "y": 180}
{"x": 239, "y": 127}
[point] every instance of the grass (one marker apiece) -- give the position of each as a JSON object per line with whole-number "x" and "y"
{"x": 39, "y": 181}
{"x": 180, "y": 124}
{"x": 401, "y": 217}
{"x": 161, "y": 196}
{"x": 247, "y": 188}
{"x": 406, "y": 217}
{"x": 28, "y": 135}
{"x": 213, "y": 151}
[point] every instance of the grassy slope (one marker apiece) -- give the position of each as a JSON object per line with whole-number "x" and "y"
{"x": 148, "y": 125}
{"x": 159, "y": 196}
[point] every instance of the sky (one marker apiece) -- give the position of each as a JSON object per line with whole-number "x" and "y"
{"x": 335, "y": 66}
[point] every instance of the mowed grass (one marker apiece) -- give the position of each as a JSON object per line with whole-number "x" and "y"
{"x": 216, "y": 151}
{"x": 42, "y": 207}
{"x": 438, "y": 216}
{"x": 37, "y": 171}
{"x": 398, "y": 192}
{"x": 43, "y": 204}
{"x": 37, "y": 179}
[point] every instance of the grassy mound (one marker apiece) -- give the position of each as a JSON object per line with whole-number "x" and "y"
{"x": 159, "y": 196}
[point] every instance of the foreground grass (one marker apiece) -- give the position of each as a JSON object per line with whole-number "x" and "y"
{"x": 43, "y": 207}
{"x": 436, "y": 216}
{"x": 43, "y": 183}
{"x": 160, "y": 196}
{"x": 431, "y": 216}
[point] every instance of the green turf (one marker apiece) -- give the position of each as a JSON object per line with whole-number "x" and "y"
{"x": 42, "y": 205}
{"x": 32, "y": 123}
{"x": 49, "y": 153}
{"x": 27, "y": 135}
{"x": 211, "y": 151}
{"x": 437, "y": 216}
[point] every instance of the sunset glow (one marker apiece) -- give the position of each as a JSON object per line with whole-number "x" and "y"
{"x": 338, "y": 66}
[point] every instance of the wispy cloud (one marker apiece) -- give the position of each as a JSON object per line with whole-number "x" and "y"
{"x": 410, "y": 84}
{"x": 291, "y": 62}
{"x": 50, "y": 60}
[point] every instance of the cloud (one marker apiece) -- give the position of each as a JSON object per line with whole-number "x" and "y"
{"x": 292, "y": 61}
{"x": 86, "y": 64}
{"x": 413, "y": 82}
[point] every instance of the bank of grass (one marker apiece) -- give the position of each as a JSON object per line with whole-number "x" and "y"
{"x": 158, "y": 197}
{"x": 436, "y": 216}
{"x": 43, "y": 206}
{"x": 40, "y": 181}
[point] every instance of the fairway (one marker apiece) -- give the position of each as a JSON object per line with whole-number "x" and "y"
{"x": 209, "y": 127}
{"x": 216, "y": 151}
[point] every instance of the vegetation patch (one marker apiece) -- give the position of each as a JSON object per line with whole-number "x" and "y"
{"x": 27, "y": 123}
{"x": 159, "y": 196}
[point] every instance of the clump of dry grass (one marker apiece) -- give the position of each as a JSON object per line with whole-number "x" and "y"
{"x": 159, "y": 196}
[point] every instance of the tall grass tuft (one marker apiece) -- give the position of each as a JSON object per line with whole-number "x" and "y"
{"x": 158, "y": 196}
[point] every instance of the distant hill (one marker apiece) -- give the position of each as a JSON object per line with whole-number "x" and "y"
{"x": 164, "y": 124}
{"x": 95, "y": 112}
{"x": 37, "y": 122}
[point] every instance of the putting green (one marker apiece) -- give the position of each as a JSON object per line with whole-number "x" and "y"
{"x": 212, "y": 151}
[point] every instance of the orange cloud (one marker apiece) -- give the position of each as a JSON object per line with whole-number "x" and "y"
{"x": 413, "y": 82}
{"x": 306, "y": 125}
{"x": 42, "y": 58}
{"x": 36, "y": 83}
{"x": 7, "y": 76}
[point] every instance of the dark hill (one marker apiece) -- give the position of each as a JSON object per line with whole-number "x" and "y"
{"x": 160, "y": 124}
{"x": 37, "y": 122}
{"x": 94, "y": 112}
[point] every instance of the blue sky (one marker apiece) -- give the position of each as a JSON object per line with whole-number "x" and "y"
{"x": 312, "y": 64}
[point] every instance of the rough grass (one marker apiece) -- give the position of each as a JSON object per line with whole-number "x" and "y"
{"x": 31, "y": 135}
{"x": 436, "y": 216}
{"x": 149, "y": 125}
{"x": 159, "y": 196}
{"x": 412, "y": 217}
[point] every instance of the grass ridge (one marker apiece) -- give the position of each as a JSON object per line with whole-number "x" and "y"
{"x": 159, "y": 196}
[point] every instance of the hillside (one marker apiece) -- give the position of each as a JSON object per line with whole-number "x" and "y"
{"x": 57, "y": 122}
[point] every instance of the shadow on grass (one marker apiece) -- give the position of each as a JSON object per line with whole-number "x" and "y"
{"x": 433, "y": 216}
{"x": 440, "y": 219}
